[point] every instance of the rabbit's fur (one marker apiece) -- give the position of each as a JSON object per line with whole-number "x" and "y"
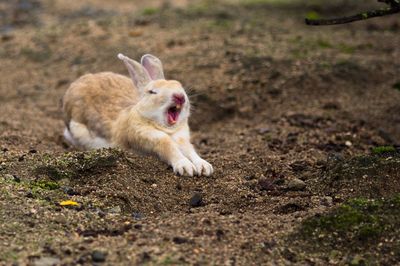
{"x": 144, "y": 113}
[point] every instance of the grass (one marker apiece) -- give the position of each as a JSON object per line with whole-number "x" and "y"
{"x": 383, "y": 149}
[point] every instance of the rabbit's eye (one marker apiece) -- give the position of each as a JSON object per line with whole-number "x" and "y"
{"x": 152, "y": 92}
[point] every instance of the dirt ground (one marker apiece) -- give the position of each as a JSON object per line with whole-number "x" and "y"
{"x": 302, "y": 126}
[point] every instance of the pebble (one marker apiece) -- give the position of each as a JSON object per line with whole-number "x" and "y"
{"x": 116, "y": 209}
{"x": 47, "y": 261}
{"x": 295, "y": 184}
{"x": 179, "y": 240}
{"x": 266, "y": 184}
{"x": 135, "y": 32}
{"x": 70, "y": 191}
{"x": 137, "y": 215}
{"x": 196, "y": 200}
{"x": 17, "y": 179}
{"x": 98, "y": 256}
{"x": 327, "y": 201}
{"x": 264, "y": 130}
{"x": 8, "y": 177}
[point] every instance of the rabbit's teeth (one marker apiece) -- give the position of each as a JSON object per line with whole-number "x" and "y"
{"x": 173, "y": 113}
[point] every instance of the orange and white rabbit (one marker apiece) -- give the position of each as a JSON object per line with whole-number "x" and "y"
{"x": 145, "y": 113}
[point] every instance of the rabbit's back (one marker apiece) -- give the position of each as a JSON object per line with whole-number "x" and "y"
{"x": 95, "y": 100}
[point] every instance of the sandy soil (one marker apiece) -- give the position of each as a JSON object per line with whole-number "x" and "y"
{"x": 290, "y": 116}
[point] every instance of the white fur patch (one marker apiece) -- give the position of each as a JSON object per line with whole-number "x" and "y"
{"x": 79, "y": 135}
{"x": 69, "y": 138}
{"x": 156, "y": 134}
{"x": 183, "y": 133}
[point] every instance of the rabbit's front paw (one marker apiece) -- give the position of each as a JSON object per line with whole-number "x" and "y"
{"x": 183, "y": 166}
{"x": 203, "y": 167}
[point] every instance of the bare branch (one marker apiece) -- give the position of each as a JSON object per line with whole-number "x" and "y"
{"x": 362, "y": 16}
{"x": 392, "y": 3}
{"x": 394, "y": 8}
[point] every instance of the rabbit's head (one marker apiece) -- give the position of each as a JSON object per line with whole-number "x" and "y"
{"x": 162, "y": 101}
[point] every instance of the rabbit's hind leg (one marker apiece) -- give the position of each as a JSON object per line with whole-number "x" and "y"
{"x": 80, "y": 136}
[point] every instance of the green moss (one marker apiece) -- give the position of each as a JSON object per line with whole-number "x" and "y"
{"x": 347, "y": 49}
{"x": 358, "y": 222}
{"x": 43, "y": 184}
{"x": 312, "y": 15}
{"x": 383, "y": 149}
{"x": 150, "y": 11}
{"x": 324, "y": 44}
{"x": 51, "y": 171}
{"x": 71, "y": 165}
{"x": 348, "y": 219}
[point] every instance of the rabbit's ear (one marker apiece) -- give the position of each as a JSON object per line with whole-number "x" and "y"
{"x": 139, "y": 75}
{"x": 153, "y": 66}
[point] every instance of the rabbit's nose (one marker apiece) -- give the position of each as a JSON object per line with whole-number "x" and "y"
{"x": 179, "y": 98}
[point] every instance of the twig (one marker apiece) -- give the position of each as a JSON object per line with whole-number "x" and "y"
{"x": 394, "y": 8}
{"x": 392, "y": 3}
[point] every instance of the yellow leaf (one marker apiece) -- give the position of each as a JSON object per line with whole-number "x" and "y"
{"x": 69, "y": 203}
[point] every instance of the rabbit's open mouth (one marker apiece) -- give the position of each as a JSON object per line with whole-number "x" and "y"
{"x": 173, "y": 113}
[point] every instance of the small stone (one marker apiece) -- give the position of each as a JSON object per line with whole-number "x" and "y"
{"x": 16, "y": 179}
{"x": 135, "y": 32}
{"x": 264, "y": 130}
{"x": 62, "y": 82}
{"x": 266, "y": 184}
{"x": 137, "y": 215}
{"x": 70, "y": 191}
{"x": 99, "y": 256}
{"x": 331, "y": 106}
{"x": 196, "y": 200}
{"x": 116, "y": 210}
{"x": 219, "y": 234}
{"x": 47, "y": 261}
{"x": 179, "y": 240}
{"x": 6, "y": 37}
{"x": 249, "y": 177}
{"x": 357, "y": 260}
{"x": 101, "y": 213}
{"x": 8, "y": 177}
{"x": 348, "y": 143}
{"x": 144, "y": 257}
{"x": 327, "y": 201}
{"x": 138, "y": 226}
{"x": 295, "y": 184}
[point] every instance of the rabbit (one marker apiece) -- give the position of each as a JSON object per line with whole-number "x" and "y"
{"x": 144, "y": 113}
